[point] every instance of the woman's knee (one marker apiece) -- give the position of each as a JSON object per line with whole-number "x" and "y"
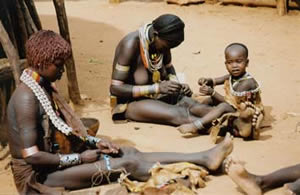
{"x": 130, "y": 164}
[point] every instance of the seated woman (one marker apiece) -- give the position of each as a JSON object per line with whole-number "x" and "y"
{"x": 144, "y": 85}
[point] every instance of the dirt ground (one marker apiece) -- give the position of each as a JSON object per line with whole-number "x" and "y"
{"x": 274, "y": 43}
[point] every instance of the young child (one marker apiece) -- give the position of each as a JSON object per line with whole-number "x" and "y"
{"x": 242, "y": 101}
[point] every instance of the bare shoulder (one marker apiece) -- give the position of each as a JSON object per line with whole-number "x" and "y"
{"x": 128, "y": 48}
{"x": 23, "y": 94}
{"x": 130, "y": 41}
{"x": 247, "y": 85}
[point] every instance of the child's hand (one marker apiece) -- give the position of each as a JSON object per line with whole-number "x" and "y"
{"x": 205, "y": 81}
{"x": 206, "y": 90}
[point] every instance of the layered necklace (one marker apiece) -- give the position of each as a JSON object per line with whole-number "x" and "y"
{"x": 32, "y": 79}
{"x": 154, "y": 61}
{"x": 233, "y": 83}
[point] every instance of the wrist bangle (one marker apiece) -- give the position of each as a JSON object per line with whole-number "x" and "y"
{"x": 214, "y": 82}
{"x": 213, "y": 93}
{"x": 92, "y": 140}
{"x": 66, "y": 160}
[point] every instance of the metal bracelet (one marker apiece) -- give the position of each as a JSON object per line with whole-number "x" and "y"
{"x": 213, "y": 93}
{"x": 26, "y": 152}
{"x": 67, "y": 160}
{"x": 198, "y": 124}
{"x": 92, "y": 140}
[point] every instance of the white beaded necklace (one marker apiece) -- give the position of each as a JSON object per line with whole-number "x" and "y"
{"x": 145, "y": 40}
{"x": 46, "y": 104}
{"x": 243, "y": 93}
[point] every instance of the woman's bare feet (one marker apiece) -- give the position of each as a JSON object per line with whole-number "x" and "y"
{"x": 187, "y": 128}
{"x": 217, "y": 154}
{"x": 246, "y": 181}
{"x": 292, "y": 188}
{"x": 287, "y": 190}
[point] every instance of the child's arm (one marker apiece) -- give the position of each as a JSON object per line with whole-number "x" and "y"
{"x": 207, "y": 90}
{"x": 213, "y": 81}
{"x": 221, "y": 80}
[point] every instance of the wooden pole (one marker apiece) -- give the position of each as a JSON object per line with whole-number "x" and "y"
{"x": 32, "y": 9}
{"x": 28, "y": 18}
{"x": 22, "y": 26}
{"x": 62, "y": 20}
{"x": 11, "y": 53}
{"x": 282, "y": 7}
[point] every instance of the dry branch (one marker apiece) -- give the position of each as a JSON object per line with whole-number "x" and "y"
{"x": 11, "y": 53}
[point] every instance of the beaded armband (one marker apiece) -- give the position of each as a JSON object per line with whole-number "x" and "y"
{"x": 91, "y": 140}
{"x": 122, "y": 68}
{"x": 138, "y": 91}
{"x": 67, "y": 160}
{"x": 173, "y": 77}
{"x": 116, "y": 82}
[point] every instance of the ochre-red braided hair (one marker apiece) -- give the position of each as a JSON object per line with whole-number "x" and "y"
{"x": 44, "y": 47}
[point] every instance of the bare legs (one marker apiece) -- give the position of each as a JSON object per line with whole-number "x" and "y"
{"x": 254, "y": 184}
{"x": 155, "y": 111}
{"x": 138, "y": 164}
{"x": 215, "y": 113}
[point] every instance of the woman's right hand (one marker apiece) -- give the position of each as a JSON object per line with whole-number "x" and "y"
{"x": 169, "y": 87}
{"x": 90, "y": 156}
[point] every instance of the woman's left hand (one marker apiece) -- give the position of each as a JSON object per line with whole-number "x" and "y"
{"x": 108, "y": 147}
{"x": 186, "y": 90}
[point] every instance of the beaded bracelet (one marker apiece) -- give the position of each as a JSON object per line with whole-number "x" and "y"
{"x": 92, "y": 140}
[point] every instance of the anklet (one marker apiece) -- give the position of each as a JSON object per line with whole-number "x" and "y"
{"x": 198, "y": 124}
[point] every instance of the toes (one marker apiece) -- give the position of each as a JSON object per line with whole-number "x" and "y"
{"x": 227, "y": 162}
{"x": 287, "y": 190}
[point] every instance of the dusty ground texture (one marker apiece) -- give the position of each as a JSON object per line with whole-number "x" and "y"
{"x": 96, "y": 27}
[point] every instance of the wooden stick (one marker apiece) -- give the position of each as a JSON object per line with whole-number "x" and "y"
{"x": 266, "y": 3}
{"x": 62, "y": 20}
{"x": 282, "y": 7}
{"x": 23, "y": 30}
{"x": 7, "y": 23}
{"x": 33, "y": 12}
{"x": 28, "y": 18}
{"x": 11, "y": 53}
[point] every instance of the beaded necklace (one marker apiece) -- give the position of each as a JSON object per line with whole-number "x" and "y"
{"x": 32, "y": 80}
{"x": 154, "y": 62}
{"x": 233, "y": 83}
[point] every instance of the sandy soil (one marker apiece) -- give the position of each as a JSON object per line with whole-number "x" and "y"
{"x": 96, "y": 27}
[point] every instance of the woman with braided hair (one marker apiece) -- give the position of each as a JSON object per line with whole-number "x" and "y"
{"x": 36, "y": 113}
{"x": 144, "y": 85}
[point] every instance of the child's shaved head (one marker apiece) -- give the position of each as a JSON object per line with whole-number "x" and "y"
{"x": 233, "y": 47}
